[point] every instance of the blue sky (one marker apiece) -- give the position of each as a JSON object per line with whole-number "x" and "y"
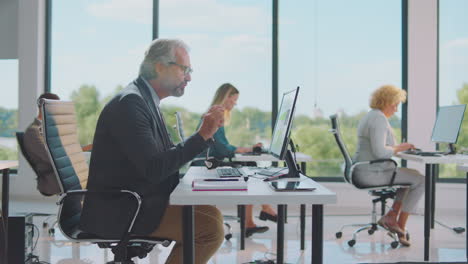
{"x": 337, "y": 51}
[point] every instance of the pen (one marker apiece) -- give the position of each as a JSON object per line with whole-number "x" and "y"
{"x": 221, "y": 180}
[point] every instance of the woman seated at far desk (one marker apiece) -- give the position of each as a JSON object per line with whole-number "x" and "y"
{"x": 377, "y": 141}
{"x": 227, "y": 95}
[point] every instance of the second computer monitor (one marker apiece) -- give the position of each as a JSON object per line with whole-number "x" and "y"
{"x": 280, "y": 139}
{"x": 448, "y": 123}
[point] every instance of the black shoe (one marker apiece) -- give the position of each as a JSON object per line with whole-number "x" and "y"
{"x": 266, "y": 216}
{"x": 258, "y": 229}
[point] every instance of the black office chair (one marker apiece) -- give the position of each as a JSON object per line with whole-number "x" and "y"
{"x": 69, "y": 163}
{"x": 381, "y": 192}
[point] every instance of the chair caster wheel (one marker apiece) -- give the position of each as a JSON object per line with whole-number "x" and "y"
{"x": 394, "y": 244}
{"x": 228, "y": 236}
{"x": 339, "y": 234}
{"x": 370, "y": 231}
{"x": 51, "y": 232}
{"x": 351, "y": 242}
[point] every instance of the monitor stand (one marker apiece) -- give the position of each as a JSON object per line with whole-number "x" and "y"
{"x": 451, "y": 149}
{"x": 293, "y": 169}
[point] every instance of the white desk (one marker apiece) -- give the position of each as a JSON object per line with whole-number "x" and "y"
{"x": 429, "y": 202}
{"x": 5, "y": 166}
{"x": 259, "y": 192}
{"x": 464, "y": 168}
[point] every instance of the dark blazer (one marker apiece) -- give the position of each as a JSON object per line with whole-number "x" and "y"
{"x": 132, "y": 150}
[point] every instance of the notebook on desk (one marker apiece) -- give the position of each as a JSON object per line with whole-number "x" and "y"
{"x": 219, "y": 185}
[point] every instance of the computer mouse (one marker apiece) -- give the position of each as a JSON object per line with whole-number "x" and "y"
{"x": 416, "y": 150}
{"x": 257, "y": 150}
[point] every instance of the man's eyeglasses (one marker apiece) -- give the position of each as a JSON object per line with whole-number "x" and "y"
{"x": 187, "y": 70}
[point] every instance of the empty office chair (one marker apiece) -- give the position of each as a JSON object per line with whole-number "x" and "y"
{"x": 381, "y": 193}
{"x": 71, "y": 168}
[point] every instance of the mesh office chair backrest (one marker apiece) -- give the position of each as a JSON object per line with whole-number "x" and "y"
{"x": 60, "y": 133}
{"x": 344, "y": 151}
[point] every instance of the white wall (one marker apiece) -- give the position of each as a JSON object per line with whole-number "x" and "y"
{"x": 31, "y": 50}
{"x": 422, "y": 73}
{"x": 8, "y": 29}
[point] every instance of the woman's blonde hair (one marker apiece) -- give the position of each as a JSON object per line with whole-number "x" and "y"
{"x": 387, "y": 95}
{"x": 223, "y": 92}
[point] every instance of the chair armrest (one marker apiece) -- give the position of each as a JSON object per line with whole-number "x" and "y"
{"x": 384, "y": 160}
{"x": 137, "y": 197}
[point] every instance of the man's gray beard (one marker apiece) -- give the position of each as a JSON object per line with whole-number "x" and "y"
{"x": 178, "y": 92}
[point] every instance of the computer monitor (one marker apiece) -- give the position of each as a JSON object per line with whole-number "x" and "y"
{"x": 447, "y": 125}
{"x": 282, "y": 130}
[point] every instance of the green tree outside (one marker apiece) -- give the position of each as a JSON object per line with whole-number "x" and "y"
{"x": 247, "y": 127}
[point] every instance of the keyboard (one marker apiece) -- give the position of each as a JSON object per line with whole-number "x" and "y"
{"x": 229, "y": 172}
{"x": 251, "y": 154}
{"x": 423, "y": 153}
{"x": 431, "y": 153}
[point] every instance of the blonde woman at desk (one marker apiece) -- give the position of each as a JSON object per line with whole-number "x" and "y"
{"x": 227, "y": 96}
{"x": 376, "y": 140}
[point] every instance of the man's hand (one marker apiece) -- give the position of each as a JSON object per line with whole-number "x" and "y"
{"x": 212, "y": 120}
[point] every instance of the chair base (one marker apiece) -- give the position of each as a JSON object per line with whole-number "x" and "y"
{"x": 370, "y": 228}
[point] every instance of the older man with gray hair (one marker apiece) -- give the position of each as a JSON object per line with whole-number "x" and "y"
{"x": 133, "y": 151}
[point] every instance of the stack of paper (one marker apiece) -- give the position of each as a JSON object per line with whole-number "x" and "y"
{"x": 219, "y": 185}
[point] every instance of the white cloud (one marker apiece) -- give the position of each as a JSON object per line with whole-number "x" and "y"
{"x": 138, "y": 11}
{"x": 206, "y": 15}
{"x": 210, "y": 15}
{"x": 456, "y": 43}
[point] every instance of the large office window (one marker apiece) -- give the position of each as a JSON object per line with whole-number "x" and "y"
{"x": 453, "y": 68}
{"x": 338, "y": 52}
{"x": 97, "y": 47}
{"x": 9, "y": 109}
{"x": 230, "y": 42}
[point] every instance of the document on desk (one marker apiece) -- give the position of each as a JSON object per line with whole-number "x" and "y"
{"x": 219, "y": 185}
